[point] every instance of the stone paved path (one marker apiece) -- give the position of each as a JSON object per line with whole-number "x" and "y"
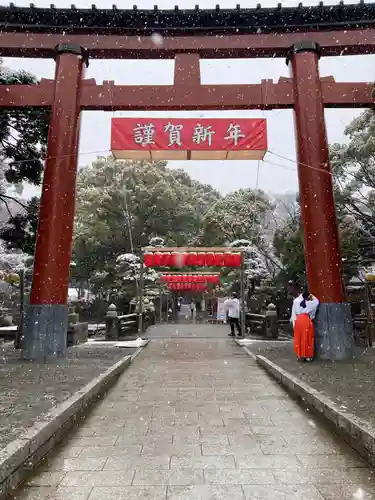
{"x": 187, "y": 331}
{"x": 197, "y": 419}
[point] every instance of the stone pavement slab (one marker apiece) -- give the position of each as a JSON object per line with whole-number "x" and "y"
{"x": 29, "y": 390}
{"x": 199, "y": 419}
{"x": 183, "y": 330}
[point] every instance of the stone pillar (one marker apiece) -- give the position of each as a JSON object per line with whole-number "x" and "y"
{"x": 111, "y": 323}
{"x": 272, "y": 327}
{"x": 47, "y": 315}
{"x": 334, "y": 331}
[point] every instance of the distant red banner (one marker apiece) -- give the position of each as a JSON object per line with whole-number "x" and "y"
{"x": 189, "y": 138}
{"x": 192, "y": 259}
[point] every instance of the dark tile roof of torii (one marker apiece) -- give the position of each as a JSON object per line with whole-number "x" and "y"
{"x": 187, "y": 22}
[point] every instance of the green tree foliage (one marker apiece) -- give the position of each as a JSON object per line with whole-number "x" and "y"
{"x": 289, "y": 248}
{"x": 239, "y": 215}
{"x": 288, "y": 243}
{"x": 353, "y": 166}
{"x": 23, "y": 134}
{"x": 122, "y": 205}
{"x": 20, "y": 231}
{"x": 23, "y": 140}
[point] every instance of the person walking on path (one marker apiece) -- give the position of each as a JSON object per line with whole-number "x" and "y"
{"x": 303, "y": 313}
{"x": 193, "y": 309}
{"x": 232, "y": 308}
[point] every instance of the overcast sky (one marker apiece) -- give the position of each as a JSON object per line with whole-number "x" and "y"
{"x": 227, "y": 175}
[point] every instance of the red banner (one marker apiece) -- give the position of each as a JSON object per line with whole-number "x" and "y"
{"x": 188, "y": 138}
{"x": 192, "y": 259}
{"x": 190, "y": 278}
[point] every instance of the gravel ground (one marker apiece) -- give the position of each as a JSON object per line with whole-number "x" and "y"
{"x": 351, "y": 384}
{"x": 28, "y": 390}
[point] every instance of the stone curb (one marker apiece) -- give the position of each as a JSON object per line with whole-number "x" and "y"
{"x": 358, "y": 433}
{"x": 21, "y": 455}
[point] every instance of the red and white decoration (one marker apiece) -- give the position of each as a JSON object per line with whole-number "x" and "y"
{"x": 192, "y": 259}
{"x": 188, "y": 287}
{"x": 188, "y": 138}
{"x": 191, "y": 278}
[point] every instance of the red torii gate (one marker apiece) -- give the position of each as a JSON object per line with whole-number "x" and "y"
{"x": 72, "y": 44}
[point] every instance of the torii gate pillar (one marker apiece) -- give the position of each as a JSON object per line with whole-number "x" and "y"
{"x": 333, "y": 330}
{"x": 46, "y": 320}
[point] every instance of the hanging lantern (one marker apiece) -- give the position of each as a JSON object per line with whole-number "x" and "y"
{"x": 191, "y": 259}
{"x": 157, "y": 259}
{"x": 200, "y": 259}
{"x": 210, "y": 259}
{"x": 180, "y": 259}
{"x": 237, "y": 260}
{"x": 219, "y": 259}
{"x": 228, "y": 259}
{"x": 165, "y": 259}
{"x": 232, "y": 260}
{"x": 174, "y": 259}
{"x": 148, "y": 260}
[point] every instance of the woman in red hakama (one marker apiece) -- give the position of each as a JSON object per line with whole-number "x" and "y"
{"x": 303, "y": 313}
